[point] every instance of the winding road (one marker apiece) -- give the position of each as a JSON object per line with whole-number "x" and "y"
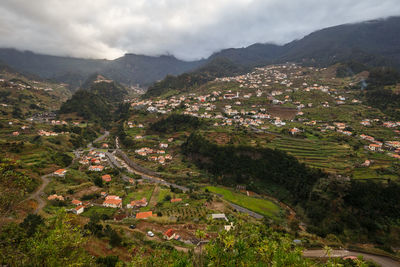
{"x": 244, "y": 210}
{"x": 117, "y": 162}
{"x": 381, "y": 260}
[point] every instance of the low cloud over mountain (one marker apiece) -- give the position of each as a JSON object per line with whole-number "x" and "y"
{"x": 187, "y": 29}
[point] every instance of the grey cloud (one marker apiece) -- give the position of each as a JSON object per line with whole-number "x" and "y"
{"x": 188, "y": 29}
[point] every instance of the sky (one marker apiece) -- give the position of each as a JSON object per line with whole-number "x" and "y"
{"x": 187, "y": 29}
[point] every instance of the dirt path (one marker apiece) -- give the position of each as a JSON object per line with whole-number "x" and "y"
{"x": 37, "y": 194}
{"x": 383, "y": 261}
{"x": 45, "y": 181}
{"x": 156, "y": 238}
{"x": 154, "y": 196}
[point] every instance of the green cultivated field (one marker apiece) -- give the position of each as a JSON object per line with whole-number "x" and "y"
{"x": 319, "y": 154}
{"x": 145, "y": 191}
{"x": 99, "y": 210}
{"x": 262, "y": 206}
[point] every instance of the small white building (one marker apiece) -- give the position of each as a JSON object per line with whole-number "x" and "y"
{"x": 219, "y": 216}
{"x": 78, "y": 210}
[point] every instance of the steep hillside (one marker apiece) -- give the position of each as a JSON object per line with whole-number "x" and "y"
{"x": 88, "y": 106}
{"x": 138, "y": 69}
{"x": 217, "y": 67}
{"x": 96, "y": 100}
{"x": 256, "y": 54}
{"x": 22, "y": 96}
{"x": 62, "y": 69}
{"x": 130, "y": 69}
{"x": 106, "y": 88}
{"x": 372, "y": 42}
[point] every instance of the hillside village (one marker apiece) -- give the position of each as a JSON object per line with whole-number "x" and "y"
{"x": 282, "y": 99}
{"x": 135, "y": 179}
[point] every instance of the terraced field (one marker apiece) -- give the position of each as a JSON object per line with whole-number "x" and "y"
{"x": 186, "y": 213}
{"x": 328, "y": 156}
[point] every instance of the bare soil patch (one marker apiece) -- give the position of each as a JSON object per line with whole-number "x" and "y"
{"x": 282, "y": 112}
{"x": 87, "y": 191}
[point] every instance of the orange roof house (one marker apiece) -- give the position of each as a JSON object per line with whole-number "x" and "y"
{"x": 113, "y": 203}
{"x": 176, "y": 200}
{"x": 374, "y": 147}
{"x": 98, "y": 168}
{"x": 55, "y": 196}
{"x": 78, "y": 210}
{"x": 112, "y": 197}
{"x": 144, "y": 215}
{"x": 137, "y": 203}
{"x": 169, "y": 234}
{"x": 76, "y": 202}
{"x": 106, "y": 178}
{"x": 60, "y": 172}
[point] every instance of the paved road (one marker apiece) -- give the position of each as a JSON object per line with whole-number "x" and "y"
{"x": 149, "y": 178}
{"x": 244, "y": 210}
{"x": 98, "y": 139}
{"x": 383, "y": 261}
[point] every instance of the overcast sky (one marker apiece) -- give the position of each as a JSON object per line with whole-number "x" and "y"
{"x": 188, "y": 29}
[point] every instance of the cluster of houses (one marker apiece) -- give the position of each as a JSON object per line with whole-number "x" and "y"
{"x": 94, "y": 160}
{"x": 161, "y": 158}
{"x": 261, "y": 79}
{"x": 49, "y": 133}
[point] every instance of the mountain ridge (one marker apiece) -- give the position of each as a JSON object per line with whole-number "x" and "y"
{"x": 373, "y": 42}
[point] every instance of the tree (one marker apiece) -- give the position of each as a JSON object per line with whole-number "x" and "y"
{"x": 62, "y": 245}
{"x": 115, "y": 239}
{"x": 108, "y": 261}
{"x": 31, "y": 223}
{"x": 98, "y": 181}
{"x": 201, "y": 235}
{"x": 56, "y": 243}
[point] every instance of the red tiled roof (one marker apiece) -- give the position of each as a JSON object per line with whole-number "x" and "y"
{"x": 144, "y": 215}
{"x": 112, "y": 197}
{"x": 176, "y": 200}
{"x": 169, "y": 232}
{"x": 142, "y": 201}
{"x": 374, "y": 145}
{"x": 112, "y": 201}
{"x": 60, "y": 171}
{"x": 106, "y": 178}
{"x": 76, "y": 202}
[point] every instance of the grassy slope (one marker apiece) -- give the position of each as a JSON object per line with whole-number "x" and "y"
{"x": 262, "y": 206}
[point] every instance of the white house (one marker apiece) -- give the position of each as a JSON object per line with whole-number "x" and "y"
{"x": 78, "y": 210}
